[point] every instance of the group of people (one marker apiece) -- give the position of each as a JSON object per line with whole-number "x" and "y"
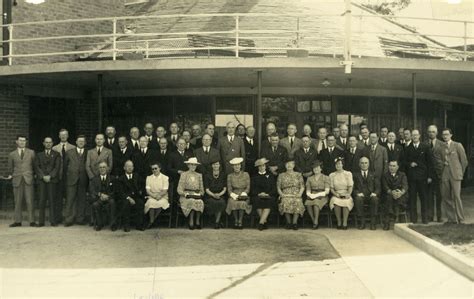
{"x": 126, "y": 181}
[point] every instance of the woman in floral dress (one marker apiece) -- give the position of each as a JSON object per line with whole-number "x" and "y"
{"x": 290, "y": 187}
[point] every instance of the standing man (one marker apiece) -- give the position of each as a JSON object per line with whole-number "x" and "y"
{"x": 383, "y": 140}
{"x": 176, "y": 165}
{"x": 47, "y": 168}
{"x": 419, "y": 168}
{"x": 97, "y": 155}
{"x": 211, "y": 130}
{"x": 276, "y": 155}
{"x": 111, "y": 141}
{"x": 163, "y": 155}
{"x": 270, "y": 129}
{"x": 401, "y": 136}
{"x": 120, "y": 156}
{"x": 395, "y": 151}
{"x": 455, "y": 163}
{"x": 134, "y": 136}
{"x": 206, "y": 155}
{"x": 101, "y": 190}
{"x": 174, "y": 135}
{"x": 291, "y": 143}
{"x": 353, "y": 154}
{"x": 196, "y": 136}
{"x": 251, "y": 151}
{"x": 76, "y": 181}
{"x": 364, "y": 141}
{"x": 438, "y": 152}
{"x": 329, "y": 155}
{"x": 305, "y": 158}
{"x": 143, "y": 158}
{"x": 342, "y": 141}
{"x": 20, "y": 165}
{"x": 366, "y": 190}
{"x": 407, "y": 138}
{"x": 231, "y": 147}
{"x": 160, "y": 133}
{"x": 148, "y": 129}
{"x": 378, "y": 156}
{"x": 62, "y": 147}
{"x": 187, "y": 137}
{"x": 321, "y": 142}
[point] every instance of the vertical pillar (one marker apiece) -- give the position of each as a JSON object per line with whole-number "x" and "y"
{"x": 259, "y": 110}
{"x": 99, "y": 102}
{"x": 414, "y": 100}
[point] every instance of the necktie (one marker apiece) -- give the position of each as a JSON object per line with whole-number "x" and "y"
{"x": 143, "y": 151}
{"x": 207, "y": 150}
{"x": 274, "y": 149}
{"x": 136, "y": 145}
{"x": 432, "y": 144}
{"x": 22, "y": 154}
{"x": 124, "y": 150}
{"x": 63, "y": 151}
{"x": 251, "y": 141}
{"x": 291, "y": 142}
{"x": 174, "y": 139}
{"x": 98, "y": 151}
{"x": 373, "y": 148}
{"x": 352, "y": 151}
{"x": 416, "y": 146}
{"x": 231, "y": 139}
{"x": 330, "y": 150}
{"x": 344, "y": 142}
{"x": 111, "y": 141}
{"x": 103, "y": 179}
{"x": 365, "y": 175}
{"x": 129, "y": 176}
{"x": 163, "y": 152}
{"x": 391, "y": 147}
{"x": 181, "y": 153}
{"x": 80, "y": 152}
{"x": 324, "y": 144}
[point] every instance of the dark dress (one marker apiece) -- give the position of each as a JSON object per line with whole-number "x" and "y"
{"x": 263, "y": 183}
{"x": 215, "y": 185}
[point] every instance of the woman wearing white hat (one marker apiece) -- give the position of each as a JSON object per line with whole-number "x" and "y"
{"x": 263, "y": 191}
{"x": 238, "y": 187}
{"x": 191, "y": 190}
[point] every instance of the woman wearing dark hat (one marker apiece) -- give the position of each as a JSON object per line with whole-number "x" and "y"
{"x": 341, "y": 188}
{"x": 238, "y": 187}
{"x": 317, "y": 191}
{"x": 290, "y": 187}
{"x": 263, "y": 192}
{"x": 191, "y": 190}
{"x": 215, "y": 187}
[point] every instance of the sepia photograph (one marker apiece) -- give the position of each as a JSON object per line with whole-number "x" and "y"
{"x": 154, "y": 149}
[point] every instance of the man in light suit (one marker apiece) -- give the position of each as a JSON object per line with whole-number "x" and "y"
{"x": 291, "y": 143}
{"x": 206, "y": 155}
{"x": 97, "y": 155}
{"x": 20, "y": 165}
{"x": 378, "y": 156}
{"x": 438, "y": 152}
{"x": 77, "y": 182}
{"x": 62, "y": 147}
{"x": 321, "y": 142}
{"x": 230, "y": 147}
{"x": 47, "y": 165}
{"x": 455, "y": 163}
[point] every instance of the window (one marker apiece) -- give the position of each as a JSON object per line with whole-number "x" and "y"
{"x": 234, "y": 105}
{"x": 278, "y": 104}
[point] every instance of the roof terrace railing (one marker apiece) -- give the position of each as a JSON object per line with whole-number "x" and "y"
{"x": 241, "y": 35}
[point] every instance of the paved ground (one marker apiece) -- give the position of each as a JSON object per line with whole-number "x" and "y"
{"x": 78, "y": 262}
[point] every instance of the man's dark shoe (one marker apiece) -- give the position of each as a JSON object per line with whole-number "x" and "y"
{"x": 198, "y": 226}
{"x": 126, "y": 229}
{"x": 386, "y": 226}
{"x": 361, "y": 226}
{"x": 295, "y": 227}
{"x": 15, "y": 224}
{"x": 68, "y": 224}
{"x": 265, "y": 226}
{"x": 33, "y": 224}
{"x": 97, "y": 228}
{"x": 140, "y": 228}
{"x": 113, "y": 228}
{"x": 373, "y": 227}
{"x": 260, "y": 227}
{"x": 40, "y": 224}
{"x": 54, "y": 224}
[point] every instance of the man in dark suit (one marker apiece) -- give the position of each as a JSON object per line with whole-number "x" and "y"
{"x": 176, "y": 165}
{"x": 206, "y": 155}
{"x": 47, "y": 167}
{"x": 378, "y": 156}
{"x": 419, "y": 167}
{"x": 130, "y": 194}
{"x": 251, "y": 151}
{"x": 143, "y": 158}
{"x": 155, "y": 142}
{"x": 276, "y": 155}
{"x": 230, "y": 147}
{"x": 149, "y": 130}
{"x": 400, "y": 136}
{"x": 329, "y": 155}
{"x": 305, "y": 158}
{"x": 438, "y": 151}
{"x": 187, "y": 137}
{"x": 77, "y": 182}
{"x": 134, "y": 142}
{"x": 20, "y": 164}
{"x": 353, "y": 154}
{"x": 101, "y": 191}
{"x": 395, "y": 189}
{"x": 164, "y": 155}
{"x": 211, "y": 130}
{"x": 196, "y": 136}
{"x": 270, "y": 129}
{"x": 383, "y": 140}
{"x": 395, "y": 152}
{"x": 62, "y": 147}
{"x": 366, "y": 190}
{"x": 120, "y": 155}
{"x": 342, "y": 141}
{"x": 291, "y": 143}
{"x": 407, "y": 138}
{"x": 97, "y": 155}
{"x": 174, "y": 136}
{"x": 111, "y": 141}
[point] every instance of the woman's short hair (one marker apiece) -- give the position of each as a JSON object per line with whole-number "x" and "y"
{"x": 157, "y": 163}
{"x": 317, "y": 163}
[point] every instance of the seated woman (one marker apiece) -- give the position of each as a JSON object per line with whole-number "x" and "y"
{"x": 290, "y": 187}
{"x": 156, "y": 187}
{"x": 238, "y": 187}
{"x": 215, "y": 187}
{"x": 341, "y": 188}
{"x": 191, "y": 190}
{"x": 263, "y": 192}
{"x": 317, "y": 191}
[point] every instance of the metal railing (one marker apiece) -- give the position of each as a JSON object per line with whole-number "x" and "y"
{"x": 156, "y": 37}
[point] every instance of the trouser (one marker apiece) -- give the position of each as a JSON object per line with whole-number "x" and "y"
{"x": 434, "y": 199}
{"x": 23, "y": 191}
{"x": 133, "y": 213}
{"x": 418, "y": 188}
{"x": 102, "y": 208}
{"x": 47, "y": 192}
{"x": 452, "y": 204}
{"x": 373, "y": 205}
{"x": 60, "y": 198}
{"x": 392, "y": 207}
{"x": 75, "y": 202}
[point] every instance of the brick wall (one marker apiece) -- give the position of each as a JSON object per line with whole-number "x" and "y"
{"x": 14, "y": 120}
{"x": 60, "y": 10}
{"x": 87, "y": 115}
